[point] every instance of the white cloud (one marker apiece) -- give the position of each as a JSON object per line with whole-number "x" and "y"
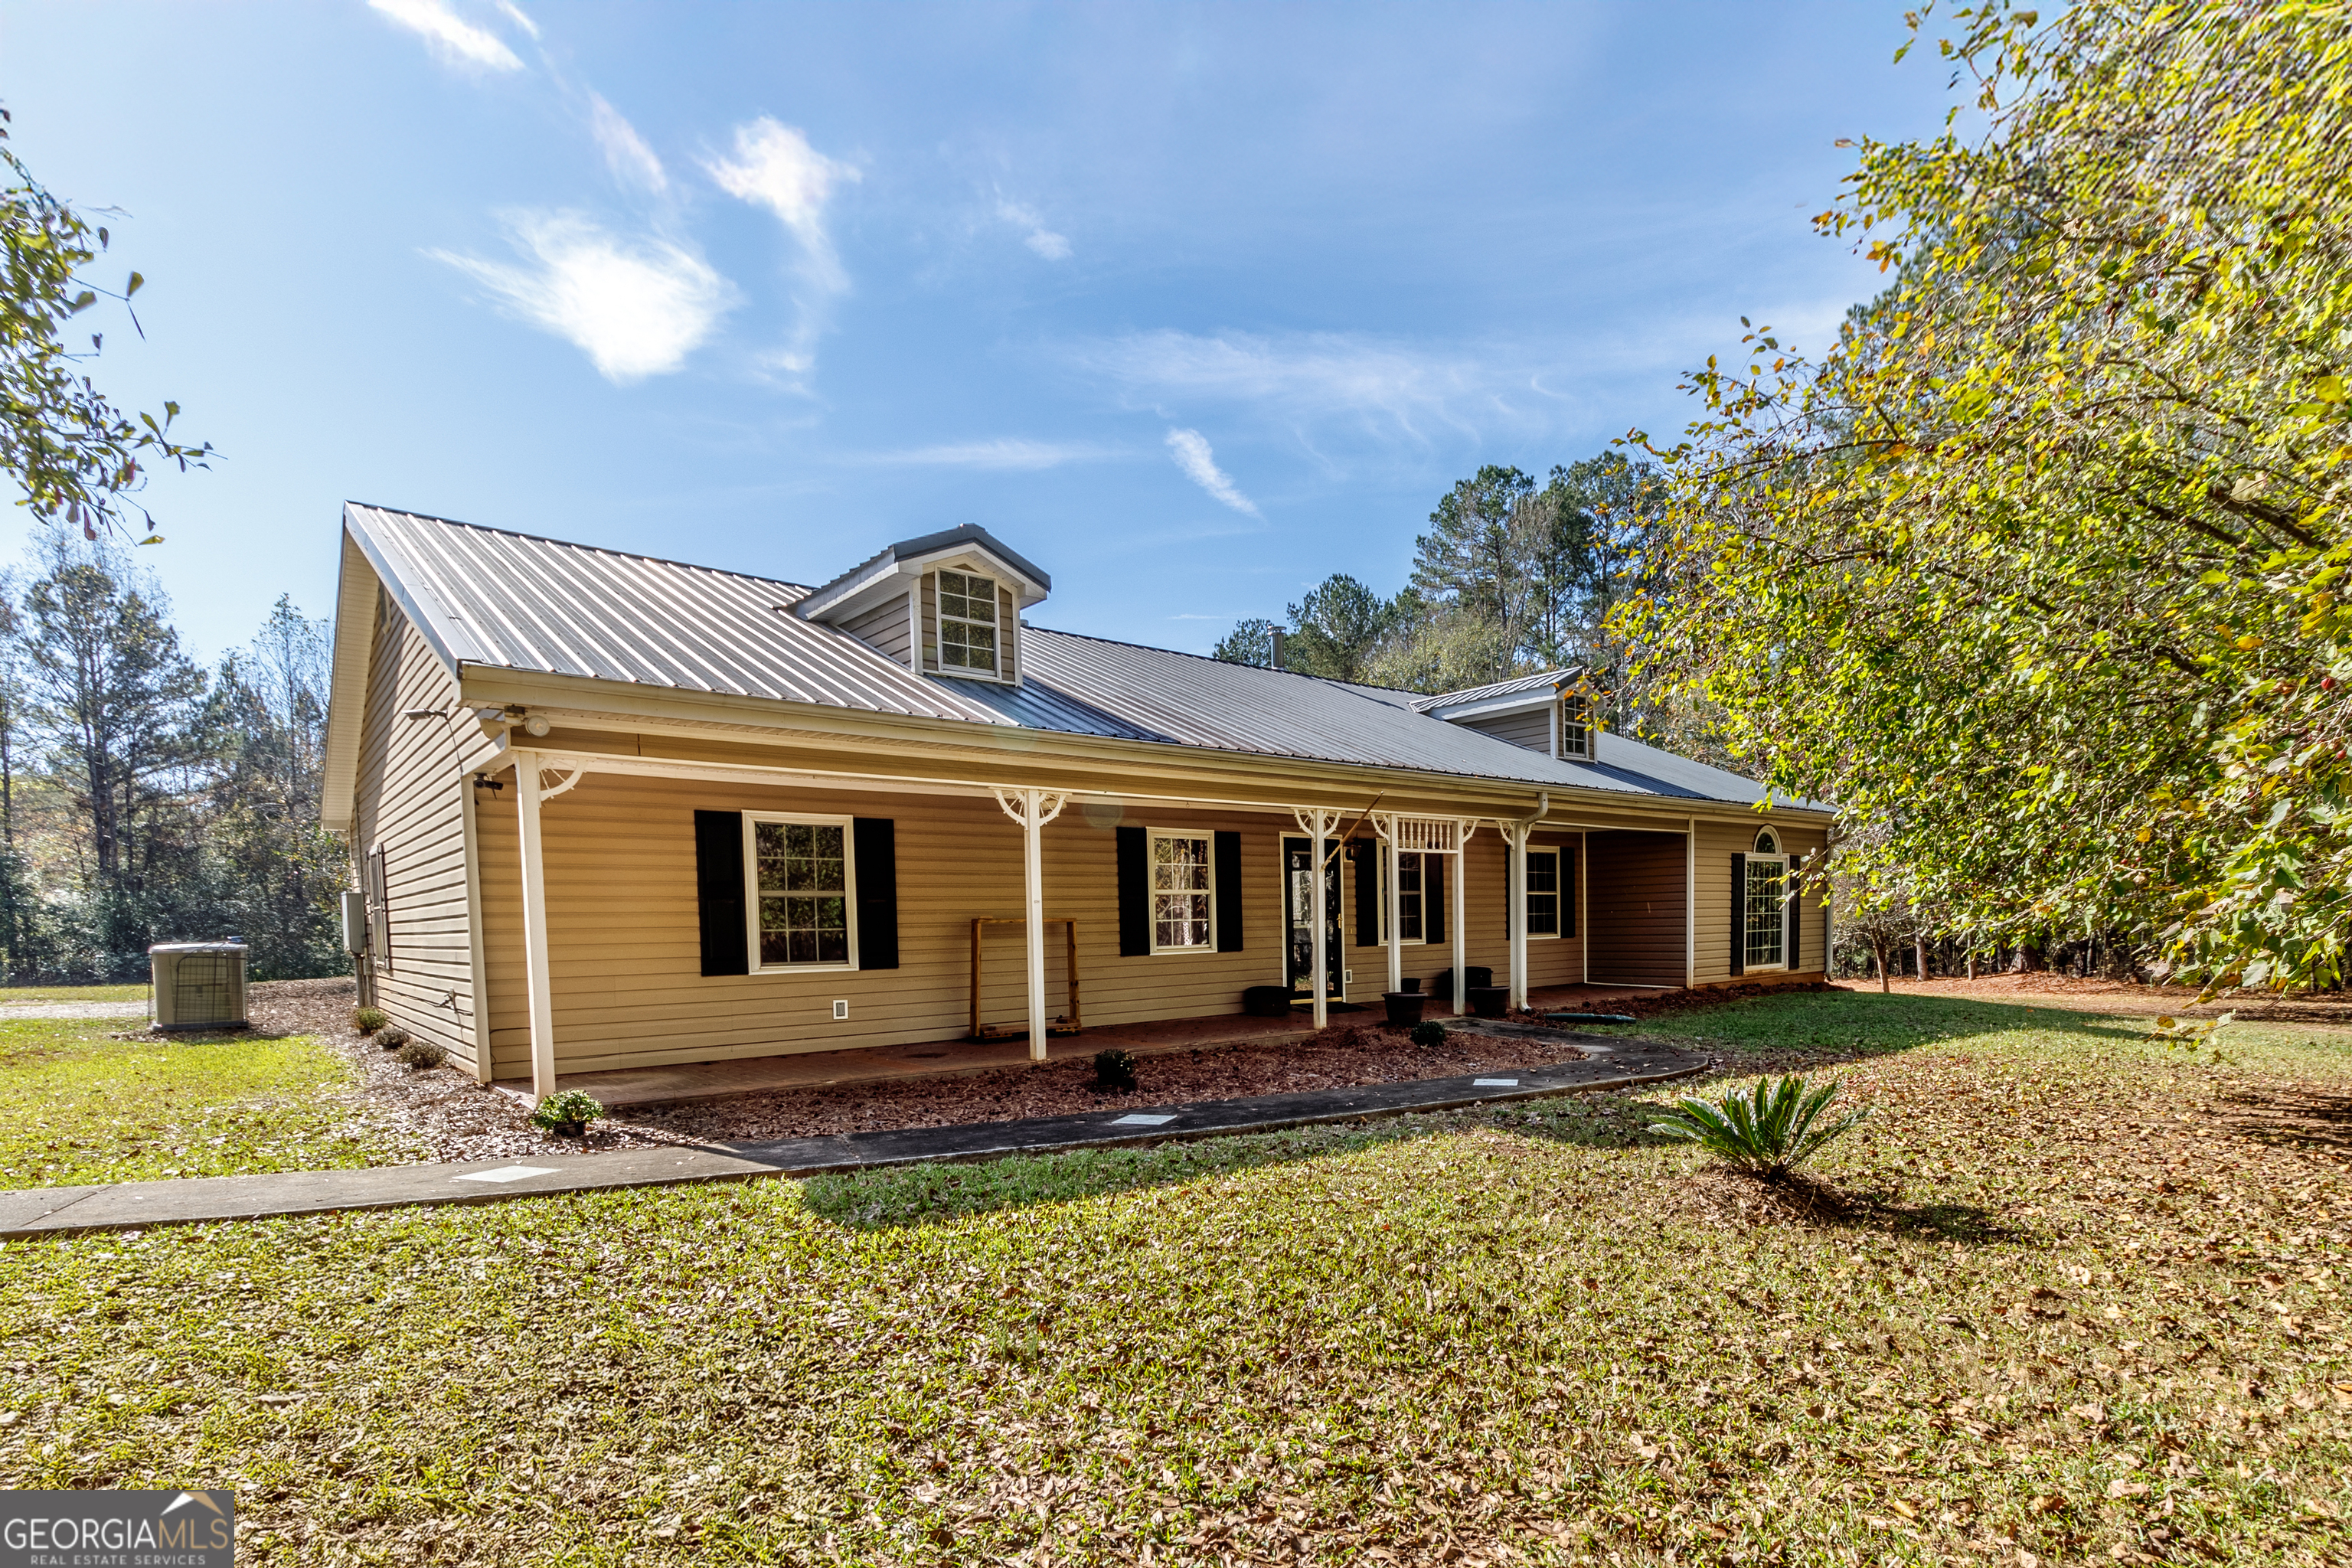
{"x": 514, "y": 13}
{"x": 625, "y": 152}
{"x": 635, "y": 307}
{"x": 1008, "y": 453}
{"x": 1041, "y": 240}
{"x": 1190, "y": 450}
{"x": 775, "y": 167}
{"x": 448, "y": 34}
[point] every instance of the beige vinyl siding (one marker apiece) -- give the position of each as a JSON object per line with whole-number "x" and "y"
{"x": 1635, "y": 907}
{"x": 882, "y": 629}
{"x": 625, "y": 932}
{"x": 1718, "y": 843}
{"x": 409, "y": 803}
{"x": 929, "y": 600}
{"x": 1531, "y": 730}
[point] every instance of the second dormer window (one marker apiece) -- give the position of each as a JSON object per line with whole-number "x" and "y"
{"x": 1575, "y": 729}
{"x": 967, "y": 623}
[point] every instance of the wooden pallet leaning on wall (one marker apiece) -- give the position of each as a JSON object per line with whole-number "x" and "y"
{"x": 1070, "y": 1026}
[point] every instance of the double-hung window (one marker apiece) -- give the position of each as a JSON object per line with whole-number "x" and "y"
{"x": 1413, "y": 924}
{"x": 1544, "y": 892}
{"x": 802, "y": 880}
{"x": 968, "y": 622}
{"x": 1766, "y": 939}
{"x": 1575, "y": 730}
{"x": 1183, "y": 892}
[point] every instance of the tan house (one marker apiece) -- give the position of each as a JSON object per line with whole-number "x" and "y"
{"x": 611, "y": 811}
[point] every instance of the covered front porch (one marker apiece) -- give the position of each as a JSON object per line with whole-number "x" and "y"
{"x": 1112, "y": 918}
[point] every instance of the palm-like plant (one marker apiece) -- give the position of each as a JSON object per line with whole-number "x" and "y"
{"x": 1767, "y": 1130}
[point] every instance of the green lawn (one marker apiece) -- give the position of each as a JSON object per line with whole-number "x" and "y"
{"x": 137, "y": 992}
{"x": 76, "y": 1106}
{"x": 2082, "y": 1304}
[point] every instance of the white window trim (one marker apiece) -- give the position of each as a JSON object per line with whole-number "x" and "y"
{"x": 1755, "y": 860}
{"x": 996, "y": 624}
{"x": 1559, "y": 895}
{"x": 848, "y": 827}
{"x": 1152, "y": 837}
{"x": 1381, "y": 895}
{"x": 1562, "y": 723}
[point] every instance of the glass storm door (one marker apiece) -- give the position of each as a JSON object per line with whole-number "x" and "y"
{"x": 1299, "y": 917}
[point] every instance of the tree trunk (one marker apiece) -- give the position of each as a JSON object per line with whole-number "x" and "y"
{"x": 1972, "y": 966}
{"x": 1920, "y": 951}
{"x": 2027, "y": 959}
{"x": 1878, "y": 956}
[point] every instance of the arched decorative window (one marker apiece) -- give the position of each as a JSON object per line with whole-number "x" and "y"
{"x": 1766, "y": 844}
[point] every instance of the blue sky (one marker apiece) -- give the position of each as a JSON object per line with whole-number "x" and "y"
{"x": 1191, "y": 304}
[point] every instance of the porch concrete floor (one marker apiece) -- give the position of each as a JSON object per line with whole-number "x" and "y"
{"x": 630, "y": 1088}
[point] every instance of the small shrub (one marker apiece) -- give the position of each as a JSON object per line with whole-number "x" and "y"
{"x": 392, "y": 1037}
{"x": 422, "y": 1056}
{"x": 1114, "y": 1070}
{"x": 567, "y": 1111}
{"x": 1767, "y": 1131}
{"x": 1428, "y": 1032}
{"x": 368, "y": 1020}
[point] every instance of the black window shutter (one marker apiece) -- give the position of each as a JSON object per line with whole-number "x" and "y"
{"x": 1567, "y": 880}
{"x": 718, "y": 891}
{"x": 1795, "y": 918}
{"x": 1433, "y": 898}
{"x": 1228, "y": 884}
{"x": 1740, "y": 914}
{"x": 874, "y": 842}
{"x": 1134, "y": 894}
{"x": 1366, "y": 852}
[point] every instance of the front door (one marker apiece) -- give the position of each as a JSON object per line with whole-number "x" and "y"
{"x": 1299, "y": 917}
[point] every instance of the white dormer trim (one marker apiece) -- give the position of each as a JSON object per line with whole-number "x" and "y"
{"x": 889, "y": 574}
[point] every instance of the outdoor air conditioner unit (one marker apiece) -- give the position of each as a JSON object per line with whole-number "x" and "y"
{"x": 355, "y": 920}
{"x": 199, "y": 984}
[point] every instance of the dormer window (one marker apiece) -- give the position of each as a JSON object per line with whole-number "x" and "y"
{"x": 967, "y": 623}
{"x": 1575, "y": 729}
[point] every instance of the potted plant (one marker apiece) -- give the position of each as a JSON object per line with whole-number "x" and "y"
{"x": 1489, "y": 1001}
{"x": 566, "y": 1113}
{"x": 1404, "y": 1006}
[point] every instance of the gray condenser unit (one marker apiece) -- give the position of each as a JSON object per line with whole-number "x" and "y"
{"x": 199, "y": 984}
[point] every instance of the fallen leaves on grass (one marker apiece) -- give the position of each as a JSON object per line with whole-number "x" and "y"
{"x": 1504, "y": 1336}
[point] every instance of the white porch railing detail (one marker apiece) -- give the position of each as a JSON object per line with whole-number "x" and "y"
{"x": 1033, "y": 809}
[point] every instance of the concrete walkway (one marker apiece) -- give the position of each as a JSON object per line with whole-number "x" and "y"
{"x": 1613, "y": 1063}
{"x": 72, "y": 1010}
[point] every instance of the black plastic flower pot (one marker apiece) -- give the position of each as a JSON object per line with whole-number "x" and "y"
{"x": 1404, "y": 1007}
{"x": 570, "y": 1130}
{"x": 1490, "y": 1000}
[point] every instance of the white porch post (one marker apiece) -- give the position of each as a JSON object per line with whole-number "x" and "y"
{"x": 1394, "y": 902}
{"x": 534, "y": 928}
{"x": 1516, "y": 836}
{"x": 1317, "y": 823}
{"x": 1032, "y": 808}
{"x": 1461, "y": 915}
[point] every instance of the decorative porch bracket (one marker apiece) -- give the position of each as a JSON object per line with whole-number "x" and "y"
{"x": 1032, "y": 808}
{"x": 1426, "y": 836}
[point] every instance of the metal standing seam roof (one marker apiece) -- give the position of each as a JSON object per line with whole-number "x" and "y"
{"x": 1541, "y": 680}
{"x": 520, "y": 602}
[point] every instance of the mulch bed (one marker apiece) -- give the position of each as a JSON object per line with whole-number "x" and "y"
{"x": 454, "y": 1118}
